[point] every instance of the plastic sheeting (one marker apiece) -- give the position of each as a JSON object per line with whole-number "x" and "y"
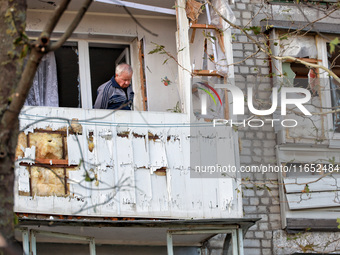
{"x": 224, "y": 9}
{"x": 299, "y": 47}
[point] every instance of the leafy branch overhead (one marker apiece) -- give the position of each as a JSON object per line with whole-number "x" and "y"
{"x": 160, "y": 49}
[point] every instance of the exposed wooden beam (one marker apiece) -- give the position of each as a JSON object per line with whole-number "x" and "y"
{"x": 206, "y": 73}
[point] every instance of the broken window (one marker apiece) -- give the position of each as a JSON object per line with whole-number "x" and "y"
{"x": 70, "y": 76}
{"x": 299, "y": 75}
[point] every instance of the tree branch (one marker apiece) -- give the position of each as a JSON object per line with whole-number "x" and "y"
{"x": 72, "y": 26}
{"x": 52, "y": 22}
{"x": 10, "y": 116}
{"x": 268, "y": 51}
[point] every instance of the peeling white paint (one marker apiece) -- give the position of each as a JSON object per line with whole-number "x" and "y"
{"x": 128, "y": 147}
{"x": 29, "y": 155}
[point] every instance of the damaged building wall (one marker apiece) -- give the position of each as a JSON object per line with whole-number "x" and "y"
{"x": 123, "y": 164}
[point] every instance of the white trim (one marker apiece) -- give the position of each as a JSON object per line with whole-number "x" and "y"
{"x": 34, "y": 233}
{"x": 240, "y": 241}
{"x": 139, "y": 6}
{"x": 183, "y": 55}
{"x": 106, "y": 14}
{"x": 85, "y": 74}
{"x": 326, "y": 100}
{"x": 33, "y": 241}
{"x": 125, "y": 53}
{"x": 282, "y": 196}
{"x": 25, "y": 241}
{"x": 277, "y": 70}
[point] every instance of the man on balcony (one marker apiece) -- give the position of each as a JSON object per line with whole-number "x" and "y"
{"x": 116, "y": 93}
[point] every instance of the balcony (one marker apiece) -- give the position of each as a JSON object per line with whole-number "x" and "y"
{"x": 100, "y": 163}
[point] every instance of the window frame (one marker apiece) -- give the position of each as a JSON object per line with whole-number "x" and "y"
{"x": 325, "y": 96}
{"x": 85, "y": 69}
{"x": 321, "y": 44}
{"x": 83, "y": 42}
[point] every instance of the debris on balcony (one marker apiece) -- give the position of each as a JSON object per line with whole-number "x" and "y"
{"x": 193, "y": 9}
{"x": 75, "y": 127}
{"x": 90, "y": 141}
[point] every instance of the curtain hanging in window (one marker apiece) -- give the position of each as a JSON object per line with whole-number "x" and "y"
{"x": 44, "y": 90}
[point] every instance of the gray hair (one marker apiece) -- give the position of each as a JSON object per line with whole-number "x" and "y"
{"x": 121, "y": 68}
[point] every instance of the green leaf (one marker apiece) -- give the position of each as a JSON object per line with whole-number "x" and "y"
{"x": 338, "y": 221}
{"x": 269, "y": 26}
{"x": 157, "y": 49}
{"x": 332, "y": 44}
{"x": 24, "y": 51}
{"x": 165, "y": 61}
{"x": 256, "y": 29}
{"x": 15, "y": 219}
{"x": 88, "y": 178}
{"x": 306, "y": 189}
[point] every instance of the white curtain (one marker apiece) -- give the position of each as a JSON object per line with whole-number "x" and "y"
{"x": 44, "y": 90}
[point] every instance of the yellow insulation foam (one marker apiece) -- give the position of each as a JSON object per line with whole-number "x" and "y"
{"x": 47, "y": 145}
{"x": 48, "y": 181}
{"x": 22, "y": 143}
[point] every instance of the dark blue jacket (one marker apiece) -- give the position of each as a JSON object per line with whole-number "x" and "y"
{"x": 111, "y": 96}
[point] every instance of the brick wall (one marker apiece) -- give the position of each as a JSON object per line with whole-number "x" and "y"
{"x": 260, "y": 191}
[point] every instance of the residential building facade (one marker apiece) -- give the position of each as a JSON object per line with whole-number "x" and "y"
{"x": 138, "y": 182}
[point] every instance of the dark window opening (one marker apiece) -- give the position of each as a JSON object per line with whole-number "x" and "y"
{"x": 68, "y": 76}
{"x": 301, "y": 76}
{"x": 103, "y": 63}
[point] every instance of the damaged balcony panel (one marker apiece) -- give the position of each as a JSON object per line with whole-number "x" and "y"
{"x": 160, "y": 197}
{"x": 144, "y": 192}
{"x": 157, "y": 153}
{"x": 140, "y": 149}
{"x": 130, "y": 164}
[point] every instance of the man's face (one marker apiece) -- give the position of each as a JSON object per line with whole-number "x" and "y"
{"x": 124, "y": 79}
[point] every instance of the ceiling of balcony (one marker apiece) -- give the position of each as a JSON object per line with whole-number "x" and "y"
{"x": 104, "y": 7}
